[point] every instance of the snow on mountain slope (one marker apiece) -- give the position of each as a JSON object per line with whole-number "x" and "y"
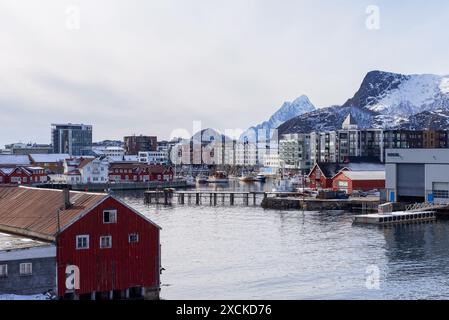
{"x": 286, "y": 112}
{"x": 416, "y": 94}
{"x": 385, "y": 100}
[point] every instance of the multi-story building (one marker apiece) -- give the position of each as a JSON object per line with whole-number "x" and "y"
{"x": 110, "y": 153}
{"x": 74, "y": 139}
{"x": 135, "y": 144}
{"x": 29, "y": 148}
{"x": 153, "y": 157}
{"x": 86, "y": 170}
{"x": 295, "y": 152}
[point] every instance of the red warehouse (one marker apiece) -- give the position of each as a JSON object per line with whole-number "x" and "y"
{"x": 350, "y": 181}
{"x": 139, "y": 172}
{"x": 115, "y": 249}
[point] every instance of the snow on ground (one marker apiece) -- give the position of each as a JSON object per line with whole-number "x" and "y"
{"x": 17, "y": 297}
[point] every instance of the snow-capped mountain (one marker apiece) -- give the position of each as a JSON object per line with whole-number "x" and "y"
{"x": 385, "y": 100}
{"x": 287, "y": 111}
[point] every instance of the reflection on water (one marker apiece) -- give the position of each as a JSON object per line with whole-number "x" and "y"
{"x": 251, "y": 253}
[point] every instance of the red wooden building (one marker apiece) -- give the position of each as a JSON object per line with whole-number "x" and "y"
{"x": 139, "y": 172}
{"x": 114, "y": 247}
{"x": 320, "y": 177}
{"x": 349, "y": 181}
{"x": 22, "y": 175}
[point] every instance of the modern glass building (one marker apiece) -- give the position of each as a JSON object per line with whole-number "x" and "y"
{"x": 74, "y": 139}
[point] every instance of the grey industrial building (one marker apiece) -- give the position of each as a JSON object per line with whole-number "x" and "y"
{"x": 417, "y": 175}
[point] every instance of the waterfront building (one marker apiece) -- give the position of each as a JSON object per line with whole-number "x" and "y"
{"x": 139, "y": 172}
{"x": 417, "y": 175}
{"x": 74, "y": 139}
{"x": 135, "y": 144}
{"x": 350, "y": 181}
{"x": 86, "y": 170}
{"x": 111, "y": 249}
{"x": 21, "y": 175}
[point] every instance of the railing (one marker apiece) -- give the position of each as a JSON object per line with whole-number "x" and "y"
{"x": 423, "y": 206}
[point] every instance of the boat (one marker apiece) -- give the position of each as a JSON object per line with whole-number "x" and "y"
{"x": 248, "y": 178}
{"x": 218, "y": 177}
{"x": 201, "y": 179}
{"x": 395, "y": 217}
{"x": 261, "y": 177}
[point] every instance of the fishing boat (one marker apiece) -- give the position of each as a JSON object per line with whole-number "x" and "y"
{"x": 218, "y": 177}
{"x": 261, "y": 177}
{"x": 248, "y": 178}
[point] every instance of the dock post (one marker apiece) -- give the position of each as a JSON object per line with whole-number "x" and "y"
{"x": 246, "y": 199}
{"x": 210, "y": 198}
{"x": 198, "y": 198}
{"x": 231, "y": 198}
{"x": 223, "y": 196}
{"x": 182, "y": 198}
{"x": 254, "y": 198}
{"x": 215, "y": 199}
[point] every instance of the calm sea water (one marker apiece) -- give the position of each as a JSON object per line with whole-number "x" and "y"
{"x": 250, "y": 253}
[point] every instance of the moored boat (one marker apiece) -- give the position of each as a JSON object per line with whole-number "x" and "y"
{"x": 218, "y": 177}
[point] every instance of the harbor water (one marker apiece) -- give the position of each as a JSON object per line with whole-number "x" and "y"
{"x": 246, "y": 252}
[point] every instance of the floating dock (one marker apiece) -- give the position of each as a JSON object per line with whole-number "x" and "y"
{"x": 395, "y": 217}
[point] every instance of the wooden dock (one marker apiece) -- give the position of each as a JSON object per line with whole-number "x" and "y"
{"x": 210, "y": 197}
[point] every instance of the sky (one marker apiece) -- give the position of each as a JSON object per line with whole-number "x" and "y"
{"x": 153, "y": 67}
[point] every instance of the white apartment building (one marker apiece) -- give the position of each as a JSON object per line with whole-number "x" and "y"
{"x": 153, "y": 157}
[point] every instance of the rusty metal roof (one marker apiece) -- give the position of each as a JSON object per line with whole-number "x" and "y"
{"x": 33, "y": 212}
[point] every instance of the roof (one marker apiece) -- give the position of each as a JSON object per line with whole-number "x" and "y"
{"x": 49, "y": 158}
{"x": 349, "y": 121}
{"x": 11, "y": 242}
{"x": 33, "y": 212}
{"x": 85, "y": 162}
{"x": 8, "y": 159}
{"x": 364, "y": 175}
{"x": 329, "y": 169}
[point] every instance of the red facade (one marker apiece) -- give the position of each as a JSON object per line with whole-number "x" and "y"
{"x": 342, "y": 182}
{"x": 22, "y": 175}
{"x": 139, "y": 173}
{"x": 124, "y": 265}
{"x": 317, "y": 180}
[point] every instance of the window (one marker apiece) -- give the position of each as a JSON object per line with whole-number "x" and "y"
{"x": 3, "y": 270}
{"x": 82, "y": 242}
{"x": 133, "y": 238}
{"x": 110, "y": 216}
{"x": 26, "y": 269}
{"x": 106, "y": 242}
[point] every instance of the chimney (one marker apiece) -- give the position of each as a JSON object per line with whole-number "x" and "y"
{"x": 66, "y": 195}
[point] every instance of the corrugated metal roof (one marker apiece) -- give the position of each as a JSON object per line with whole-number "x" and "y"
{"x": 34, "y": 212}
{"x": 365, "y": 175}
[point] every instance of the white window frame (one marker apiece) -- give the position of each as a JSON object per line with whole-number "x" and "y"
{"x": 101, "y": 242}
{"x": 3, "y": 271}
{"x": 114, "y": 214}
{"x": 85, "y": 236}
{"x": 132, "y": 235}
{"x": 26, "y": 269}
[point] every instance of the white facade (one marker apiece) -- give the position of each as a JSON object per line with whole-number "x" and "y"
{"x": 153, "y": 157}
{"x": 422, "y": 173}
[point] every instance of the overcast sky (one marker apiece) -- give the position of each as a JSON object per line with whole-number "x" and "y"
{"x": 153, "y": 66}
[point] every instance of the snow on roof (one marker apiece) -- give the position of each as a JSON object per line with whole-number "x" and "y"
{"x": 365, "y": 175}
{"x": 14, "y": 159}
{"x": 365, "y": 166}
{"x": 48, "y": 158}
